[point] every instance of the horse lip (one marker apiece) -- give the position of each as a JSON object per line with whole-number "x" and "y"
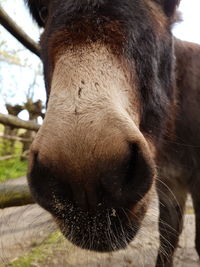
{"x": 109, "y": 232}
{"x": 104, "y": 240}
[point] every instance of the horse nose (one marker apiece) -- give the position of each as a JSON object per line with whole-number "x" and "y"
{"x": 115, "y": 181}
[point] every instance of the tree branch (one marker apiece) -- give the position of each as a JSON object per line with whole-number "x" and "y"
{"x": 18, "y": 33}
{"x": 18, "y": 123}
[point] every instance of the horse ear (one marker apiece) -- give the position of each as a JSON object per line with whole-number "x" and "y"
{"x": 38, "y": 10}
{"x": 169, "y": 6}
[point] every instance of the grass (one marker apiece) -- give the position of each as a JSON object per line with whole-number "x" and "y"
{"x": 38, "y": 254}
{"x": 12, "y": 168}
{"x": 17, "y": 147}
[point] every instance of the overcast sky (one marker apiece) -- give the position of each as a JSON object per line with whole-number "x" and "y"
{"x": 19, "y": 78}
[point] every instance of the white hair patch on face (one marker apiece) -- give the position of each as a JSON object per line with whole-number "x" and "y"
{"x": 93, "y": 103}
{"x": 91, "y": 78}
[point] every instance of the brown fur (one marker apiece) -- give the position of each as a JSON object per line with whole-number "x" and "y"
{"x": 179, "y": 160}
{"x": 158, "y": 17}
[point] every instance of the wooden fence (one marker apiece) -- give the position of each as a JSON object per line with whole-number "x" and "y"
{"x": 12, "y": 122}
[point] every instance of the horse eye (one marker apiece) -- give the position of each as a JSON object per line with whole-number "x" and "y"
{"x": 43, "y": 13}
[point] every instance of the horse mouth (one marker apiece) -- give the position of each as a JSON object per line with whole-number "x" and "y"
{"x": 100, "y": 212}
{"x": 105, "y": 230}
{"x": 105, "y": 227}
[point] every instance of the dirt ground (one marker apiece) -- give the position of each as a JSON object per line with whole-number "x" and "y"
{"x": 24, "y": 228}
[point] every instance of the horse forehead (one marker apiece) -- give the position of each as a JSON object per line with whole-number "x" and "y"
{"x": 117, "y": 24}
{"x": 134, "y": 16}
{"x": 118, "y": 9}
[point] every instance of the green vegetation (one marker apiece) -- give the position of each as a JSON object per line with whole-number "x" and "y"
{"x": 5, "y": 146}
{"x": 38, "y": 254}
{"x": 12, "y": 168}
{"x": 1, "y": 128}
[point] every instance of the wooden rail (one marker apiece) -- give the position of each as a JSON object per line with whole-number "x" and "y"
{"x": 16, "y": 138}
{"x": 7, "y": 157}
{"x": 18, "y": 33}
{"x": 18, "y": 123}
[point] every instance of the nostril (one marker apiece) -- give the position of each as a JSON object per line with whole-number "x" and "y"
{"x": 45, "y": 184}
{"x": 32, "y": 159}
{"x": 35, "y": 155}
{"x": 139, "y": 174}
{"x": 128, "y": 179}
{"x": 132, "y": 163}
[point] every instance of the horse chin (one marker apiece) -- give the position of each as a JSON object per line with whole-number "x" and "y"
{"x": 99, "y": 245}
{"x": 104, "y": 231}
